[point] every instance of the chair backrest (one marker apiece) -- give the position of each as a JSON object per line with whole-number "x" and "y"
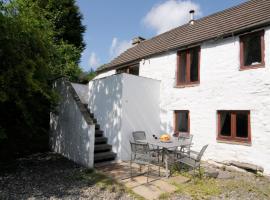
{"x": 199, "y": 157}
{"x": 139, "y": 148}
{"x": 139, "y": 135}
{"x": 184, "y": 136}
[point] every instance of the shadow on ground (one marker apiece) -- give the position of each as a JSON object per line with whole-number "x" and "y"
{"x": 50, "y": 176}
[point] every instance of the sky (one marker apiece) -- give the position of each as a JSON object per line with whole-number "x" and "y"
{"x": 112, "y": 24}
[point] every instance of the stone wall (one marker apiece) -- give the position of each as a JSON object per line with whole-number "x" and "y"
{"x": 223, "y": 86}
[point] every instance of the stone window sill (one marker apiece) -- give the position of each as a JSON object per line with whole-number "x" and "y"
{"x": 244, "y": 143}
{"x": 187, "y": 85}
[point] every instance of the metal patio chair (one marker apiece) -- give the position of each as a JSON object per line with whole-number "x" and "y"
{"x": 193, "y": 159}
{"x": 142, "y": 155}
{"x": 139, "y": 136}
{"x": 186, "y": 149}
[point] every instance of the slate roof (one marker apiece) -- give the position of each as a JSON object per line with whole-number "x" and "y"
{"x": 254, "y": 13}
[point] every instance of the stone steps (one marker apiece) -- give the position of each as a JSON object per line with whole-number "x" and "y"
{"x": 100, "y": 140}
{"x": 98, "y": 133}
{"x": 103, "y": 147}
{"x": 104, "y": 156}
{"x": 102, "y": 150}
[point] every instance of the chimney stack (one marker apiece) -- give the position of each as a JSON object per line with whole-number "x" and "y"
{"x": 137, "y": 40}
{"x": 191, "y": 12}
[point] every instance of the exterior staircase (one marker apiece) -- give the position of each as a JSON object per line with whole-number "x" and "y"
{"x": 103, "y": 150}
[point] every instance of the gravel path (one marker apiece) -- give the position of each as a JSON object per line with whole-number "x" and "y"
{"x": 49, "y": 176}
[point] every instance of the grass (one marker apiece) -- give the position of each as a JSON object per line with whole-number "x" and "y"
{"x": 196, "y": 188}
{"x": 206, "y": 188}
{"x": 200, "y": 188}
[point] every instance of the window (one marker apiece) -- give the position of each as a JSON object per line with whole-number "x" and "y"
{"x": 181, "y": 121}
{"x": 252, "y": 50}
{"x": 129, "y": 70}
{"x": 234, "y": 126}
{"x": 188, "y": 66}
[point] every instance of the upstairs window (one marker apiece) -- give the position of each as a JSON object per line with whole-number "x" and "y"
{"x": 234, "y": 126}
{"x": 129, "y": 70}
{"x": 181, "y": 124}
{"x": 252, "y": 50}
{"x": 188, "y": 66}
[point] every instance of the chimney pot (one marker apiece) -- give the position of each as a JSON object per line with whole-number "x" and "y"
{"x": 192, "y": 12}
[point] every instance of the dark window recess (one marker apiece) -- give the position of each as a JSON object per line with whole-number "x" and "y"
{"x": 181, "y": 121}
{"x": 242, "y": 125}
{"x": 188, "y": 66}
{"x": 225, "y": 124}
{"x": 234, "y": 126}
{"x": 194, "y": 64}
{"x": 182, "y": 67}
{"x": 252, "y": 50}
{"x": 129, "y": 70}
{"x": 134, "y": 70}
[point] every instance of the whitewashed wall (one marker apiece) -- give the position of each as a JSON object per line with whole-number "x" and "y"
{"x": 140, "y": 108}
{"x": 105, "y": 101}
{"x": 222, "y": 87}
{"x": 105, "y": 74}
{"x": 82, "y": 91}
{"x": 71, "y": 135}
{"x": 124, "y": 103}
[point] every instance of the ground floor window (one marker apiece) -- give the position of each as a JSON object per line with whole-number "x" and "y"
{"x": 234, "y": 126}
{"x": 181, "y": 121}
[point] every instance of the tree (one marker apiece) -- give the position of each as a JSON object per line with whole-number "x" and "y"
{"x": 31, "y": 54}
{"x": 66, "y": 19}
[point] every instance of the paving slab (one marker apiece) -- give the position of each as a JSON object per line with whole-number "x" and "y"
{"x": 148, "y": 191}
{"x": 164, "y": 186}
{"x": 178, "y": 179}
{"x": 137, "y": 181}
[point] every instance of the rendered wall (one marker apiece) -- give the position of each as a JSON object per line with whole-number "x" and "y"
{"x": 105, "y": 101}
{"x": 124, "y": 103}
{"x": 72, "y": 135}
{"x": 82, "y": 92}
{"x": 222, "y": 87}
{"x": 140, "y": 109}
{"x": 105, "y": 74}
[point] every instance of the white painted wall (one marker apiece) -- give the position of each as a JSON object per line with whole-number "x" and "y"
{"x": 105, "y": 74}
{"x": 82, "y": 91}
{"x": 222, "y": 87}
{"x": 124, "y": 103}
{"x": 70, "y": 134}
{"x": 105, "y": 101}
{"x": 140, "y": 109}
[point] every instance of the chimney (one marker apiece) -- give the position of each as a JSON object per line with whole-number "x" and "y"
{"x": 191, "y": 12}
{"x": 137, "y": 40}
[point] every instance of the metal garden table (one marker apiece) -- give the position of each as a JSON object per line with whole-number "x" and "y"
{"x": 166, "y": 146}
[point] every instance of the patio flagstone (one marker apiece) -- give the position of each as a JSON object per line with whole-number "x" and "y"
{"x": 155, "y": 187}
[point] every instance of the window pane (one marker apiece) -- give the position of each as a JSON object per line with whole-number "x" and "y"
{"x": 134, "y": 70}
{"x": 242, "y": 125}
{"x": 225, "y": 124}
{"x": 182, "y": 121}
{"x": 252, "y": 50}
{"x": 194, "y": 64}
{"x": 182, "y": 67}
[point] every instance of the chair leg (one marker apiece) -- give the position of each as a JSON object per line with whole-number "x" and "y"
{"x": 159, "y": 170}
{"x": 148, "y": 172}
{"x": 200, "y": 174}
{"x": 140, "y": 168}
{"x": 130, "y": 164}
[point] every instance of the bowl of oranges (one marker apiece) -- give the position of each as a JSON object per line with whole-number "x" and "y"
{"x": 165, "y": 138}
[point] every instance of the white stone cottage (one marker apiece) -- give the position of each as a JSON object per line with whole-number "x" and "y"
{"x": 209, "y": 77}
